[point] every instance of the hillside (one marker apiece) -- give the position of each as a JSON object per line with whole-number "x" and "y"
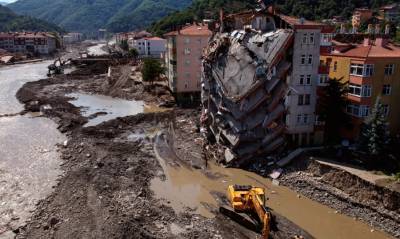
{"x": 9, "y": 21}
{"x": 309, "y": 9}
{"x": 90, "y": 15}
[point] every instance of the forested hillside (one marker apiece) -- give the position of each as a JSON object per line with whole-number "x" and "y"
{"x": 9, "y": 21}
{"x": 309, "y": 9}
{"x": 90, "y": 15}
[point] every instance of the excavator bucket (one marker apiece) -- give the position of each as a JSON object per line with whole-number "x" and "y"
{"x": 241, "y": 218}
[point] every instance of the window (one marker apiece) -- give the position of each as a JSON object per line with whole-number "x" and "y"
{"x": 356, "y": 69}
{"x": 307, "y": 99}
{"x": 366, "y": 91}
{"x": 303, "y": 59}
{"x": 364, "y": 110}
{"x": 299, "y": 119}
{"x": 302, "y": 119}
{"x": 323, "y": 79}
{"x": 369, "y": 70}
{"x": 301, "y": 81}
{"x": 389, "y": 69}
{"x": 353, "y": 110}
{"x": 335, "y": 66}
{"x": 387, "y": 90}
{"x": 187, "y": 63}
{"x": 308, "y": 82}
{"x": 187, "y": 40}
{"x": 311, "y": 38}
{"x": 310, "y": 58}
{"x": 305, "y": 36}
{"x": 355, "y": 90}
{"x": 385, "y": 109}
{"x": 305, "y": 118}
{"x": 300, "y": 100}
{"x": 187, "y": 51}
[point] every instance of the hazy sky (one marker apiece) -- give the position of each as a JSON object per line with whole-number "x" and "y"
{"x": 8, "y": 1}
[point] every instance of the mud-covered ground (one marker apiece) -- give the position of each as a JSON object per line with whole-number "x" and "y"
{"x": 105, "y": 190}
{"x": 346, "y": 193}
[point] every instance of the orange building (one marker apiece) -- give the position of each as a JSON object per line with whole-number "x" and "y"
{"x": 372, "y": 69}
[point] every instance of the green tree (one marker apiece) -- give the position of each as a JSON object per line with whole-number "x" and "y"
{"x": 375, "y": 134}
{"x": 331, "y": 109}
{"x": 124, "y": 45}
{"x": 133, "y": 53}
{"x": 152, "y": 70}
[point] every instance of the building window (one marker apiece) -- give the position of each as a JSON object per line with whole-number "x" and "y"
{"x": 369, "y": 70}
{"x": 305, "y": 36}
{"x": 355, "y": 90}
{"x": 353, "y": 110}
{"x": 187, "y": 51}
{"x": 301, "y": 81}
{"x": 187, "y": 63}
{"x": 187, "y": 40}
{"x": 303, "y": 59}
{"x": 311, "y": 38}
{"x": 302, "y": 119}
{"x": 356, "y": 69}
{"x": 389, "y": 69}
{"x": 364, "y": 110}
{"x": 307, "y": 99}
{"x": 385, "y": 109}
{"x": 366, "y": 91}
{"x": 387, "y": 90}
{"x": 335, "y": 66}
{"x": 310, "y": 58}
{"x": 300, "y": 100}
{"x": 308, "y": 82}
{"x": 323, "y": 79}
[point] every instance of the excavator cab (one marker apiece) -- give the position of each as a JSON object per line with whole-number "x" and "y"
{"x": 248, "y": 208}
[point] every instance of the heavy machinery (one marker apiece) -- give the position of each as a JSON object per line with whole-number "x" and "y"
{"x": 249, "y": 208}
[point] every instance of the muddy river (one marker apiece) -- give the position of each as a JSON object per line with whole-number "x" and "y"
{"x": 187, "y": 188}
{"x": 29, "y": 162}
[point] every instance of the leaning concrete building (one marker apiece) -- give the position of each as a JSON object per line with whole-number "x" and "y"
{"x": 251, "y": 71}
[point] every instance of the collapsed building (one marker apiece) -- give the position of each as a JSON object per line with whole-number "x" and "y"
{"x": 247, "y": 84}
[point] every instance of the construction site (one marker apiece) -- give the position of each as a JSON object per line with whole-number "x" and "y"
{"x": 132, "y": 164}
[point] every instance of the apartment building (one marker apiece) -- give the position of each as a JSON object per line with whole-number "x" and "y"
{"x": 183, "y": 60}
{"x": 72, "y": 37}
{"x": 372, "y": 69}
{"x": 28, "y": 42}
{"x": 360, "y": 16}
{"x": 149, "y": 46}
{"x": 303, "y": 81}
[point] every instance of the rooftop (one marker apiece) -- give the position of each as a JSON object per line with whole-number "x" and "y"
{"x": 372, "y": 50}
{"x": 300, "y": 22}
{"x": 198, "y": 29}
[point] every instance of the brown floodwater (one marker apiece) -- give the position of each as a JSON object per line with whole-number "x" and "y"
{"x": 186, "y": 188}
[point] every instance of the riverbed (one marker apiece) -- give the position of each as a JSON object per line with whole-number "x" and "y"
{"x": 29, "y": 161}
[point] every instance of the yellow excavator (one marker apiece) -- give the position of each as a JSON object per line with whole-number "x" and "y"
{"x": 248, "y": 208}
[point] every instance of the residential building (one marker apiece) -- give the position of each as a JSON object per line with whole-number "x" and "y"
{"x": 360, "y": 16}
{"x": 149, "y": 46}
{"x": 28, "y": 42}
{"x": 372, "y": 69}
{"x": 72, "y": 37}
{"x": 183, "y": 60}
{"x": 390, "y": 12}
{"x": 304, "y": 78}
{"x": 129, "y": 36}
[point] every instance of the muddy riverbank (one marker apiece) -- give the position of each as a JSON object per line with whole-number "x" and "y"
{"x": 116, "y": 185}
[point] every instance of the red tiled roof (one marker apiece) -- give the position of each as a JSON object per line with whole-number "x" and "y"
{"x": 363, "y": 51}
{"x": 295, "y": 21}
{"x": 192, "y": 30}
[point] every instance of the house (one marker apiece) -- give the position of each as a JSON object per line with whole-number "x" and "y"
{"x": 28, "y": 42}
{"x": 372, "y": 69}
{"x": 148, "y": 46}
{"x": 183, "y": 60}
{"x": 360, "y": 16}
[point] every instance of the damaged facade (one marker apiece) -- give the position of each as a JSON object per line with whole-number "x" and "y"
{"x": 255, "y": 71}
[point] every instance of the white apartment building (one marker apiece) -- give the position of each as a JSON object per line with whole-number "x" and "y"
{"x": 148, "y": 46}
{"x": 303, "y": 82}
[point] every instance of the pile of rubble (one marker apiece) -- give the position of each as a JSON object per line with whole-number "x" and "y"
{"x": 244, "y": 86}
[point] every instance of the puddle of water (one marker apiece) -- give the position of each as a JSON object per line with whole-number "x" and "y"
{"x": 184, "y": 187}
{"x": 100, "y": 108}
